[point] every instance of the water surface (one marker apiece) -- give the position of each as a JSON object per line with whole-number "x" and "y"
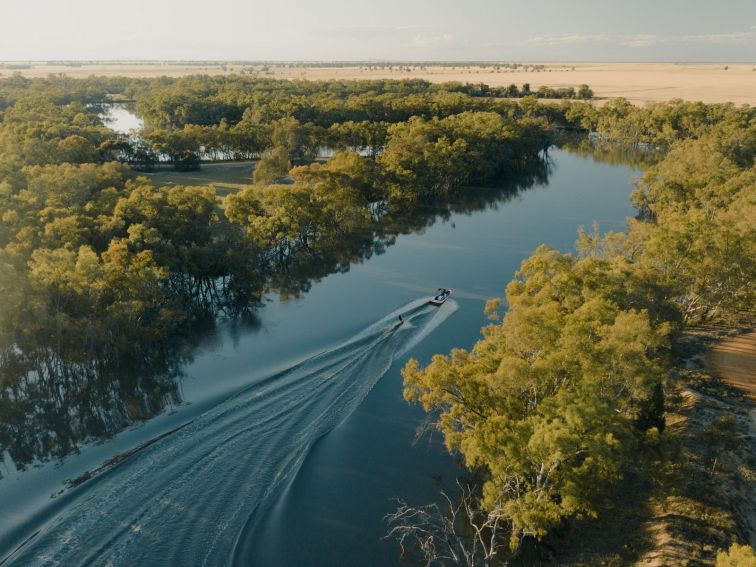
{"x": 122, "y": 119}
{"x": 333, "y": 512}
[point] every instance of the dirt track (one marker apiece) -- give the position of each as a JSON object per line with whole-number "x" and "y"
{"x": 734, "y": 360}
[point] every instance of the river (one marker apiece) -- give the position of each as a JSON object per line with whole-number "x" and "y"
{"x": 283, "y": 441}
{"x": 122, "y": 119}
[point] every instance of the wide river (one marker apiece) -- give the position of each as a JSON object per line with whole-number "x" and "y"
{"x": 286, "y": 441}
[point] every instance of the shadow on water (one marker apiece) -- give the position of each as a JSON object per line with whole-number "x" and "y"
{"x": 215, "y": 475}
{"x": 55, "y": 396}
{"x": 611, "y": 152}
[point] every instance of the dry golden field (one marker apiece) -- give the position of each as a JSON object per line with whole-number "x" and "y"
{"x": 639, "y": 82}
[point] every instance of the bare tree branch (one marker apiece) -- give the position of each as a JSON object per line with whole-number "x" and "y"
{"x": 455, "y": 533}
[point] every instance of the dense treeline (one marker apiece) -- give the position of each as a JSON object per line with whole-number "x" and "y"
{"x": 205, "y": 100}
{"x": 565, "y": 395}
{"x": 423, "y": 161}
{"x": 234, "y": 117}
{"x": 64, "y": 90}
{"x": 656, "y": 124}
{"x": 36, "y": 131}
{"x": 583, "y": 92}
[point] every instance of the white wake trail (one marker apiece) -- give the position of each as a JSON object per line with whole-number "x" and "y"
{"x": 188, "y": 497}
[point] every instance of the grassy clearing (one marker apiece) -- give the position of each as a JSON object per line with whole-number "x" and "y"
{"x": 226, "y": 177}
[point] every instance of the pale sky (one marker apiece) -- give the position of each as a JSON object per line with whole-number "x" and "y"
{"x": 506, "y": 30}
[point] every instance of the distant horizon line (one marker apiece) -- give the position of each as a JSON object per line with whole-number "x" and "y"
{"x": 64, "y": 62}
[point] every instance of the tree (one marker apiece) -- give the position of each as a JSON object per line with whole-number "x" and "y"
{"x": 698, "y": 205}
{"x": 737, "y": 556}
{"x": 271, "y": 167}
{"x": 584, "y": 92}
{"x": 346, "y": 171}
{"x": 546, "y": 404}
{"x": 299, "y": 140}
{"x": 77, "y": 149}
{"x": 457, "y": 534}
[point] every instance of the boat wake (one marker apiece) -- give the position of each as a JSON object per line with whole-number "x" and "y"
{"x": 185, "y": 498}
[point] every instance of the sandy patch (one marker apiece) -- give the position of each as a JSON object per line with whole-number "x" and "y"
{"x": 734, "y": 360}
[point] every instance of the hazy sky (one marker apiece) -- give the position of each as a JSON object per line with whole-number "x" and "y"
{"x": 637, "y": 30}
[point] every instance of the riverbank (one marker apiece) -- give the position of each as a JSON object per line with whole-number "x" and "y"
{"x": 697, "y": 493}
{"x": 705, "y": 494}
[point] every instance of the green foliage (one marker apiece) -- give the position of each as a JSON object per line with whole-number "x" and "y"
{"x": 360, "y": 180}
{"x": 233, "y": 116}
{"x": 425, "y": 159}
{"x": 358, "y": 136}
{"x": 584, "y": 92}
{"x": 36, "y": 131}
{"x": 548, "y": 402}
{"x": 656, "y": 124}
{"x": 53, "y": 209}
{"x": 299, "y": 140}
{"x": 700, "y": 231}
{"x": 272, "y": 166}
{"x": 325, "y": 202}
{"x": 737, "y": 556}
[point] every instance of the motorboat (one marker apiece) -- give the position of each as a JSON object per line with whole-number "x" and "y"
{"x": 441, "y": 296}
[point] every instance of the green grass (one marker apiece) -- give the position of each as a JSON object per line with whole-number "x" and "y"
{"x": 226, "y": 177}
